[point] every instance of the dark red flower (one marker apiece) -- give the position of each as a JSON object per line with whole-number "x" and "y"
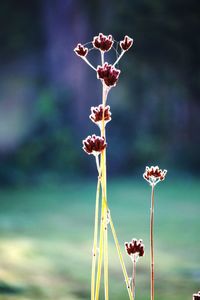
{"x": 126, "y": 43}
{"x": 103, "y": 42}
{"x": 108, "y": 74}
{"x": 80, "y": 50}
{"x": 196, "y": 296}
{"x": 135, "y": 247}
{"x": 153, "y": 175}
{"x": 94, "y": 144}
{"x": 97, "y": 114}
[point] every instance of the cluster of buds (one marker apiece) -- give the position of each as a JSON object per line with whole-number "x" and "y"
{"x": 102, "y": 42}
{"x": 98, "y": 114}
{"x": 94, "y": 145}
{"x": 108, "y": 74}
{"x": 135, "y": 249}
{"x": 196, "y": 296}
{"x": 153, "y": 175}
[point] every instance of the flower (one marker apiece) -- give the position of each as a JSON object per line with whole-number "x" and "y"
{"x": 135, "y": 247}
{"x": 97, "y": 114}
{"x": 126, "y": 43}
{"x": 80, "y": 50}
{"x": 108, "y": 74}
{"x": 153, "y": 175}
{"x": 94, "y": 144}
{"x": 103, "y": 42}
{"x": 196, "y": 296}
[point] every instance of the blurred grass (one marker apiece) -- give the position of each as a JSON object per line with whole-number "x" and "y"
{"x": 46, "y": 239}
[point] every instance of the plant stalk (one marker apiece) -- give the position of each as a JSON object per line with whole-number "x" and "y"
{"x": 152, "y": 242}
{"x": 94, "y": 254}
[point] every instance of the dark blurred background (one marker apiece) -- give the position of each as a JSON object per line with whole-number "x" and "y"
{"x": 46, "y": 91}
{"x": 47, "y": 182}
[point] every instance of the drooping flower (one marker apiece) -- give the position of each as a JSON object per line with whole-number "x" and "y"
{"x": 126, "y": 43}
{"x": 153, "y": 175}
{"x": 103, "y": 42}
{"x": 108, "y": 74}
{"x": 94, "y": 144}
{"x": 97, "y": 114}
{"x": 135, "y": 247}
{"x": 80, "y": 50}
{"x": 196, "y": 296}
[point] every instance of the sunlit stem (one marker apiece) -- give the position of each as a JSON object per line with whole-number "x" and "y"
{"x": 102, "y": 58}
{"x": 94, "y": 254}
{"x": 152, "y": 241}
{"x": 98, "y": 278}
{"x": 104, "y": 188}
{"x": 134, "y": 276}
{"x": 103, "y": 242}
{"x": 121, "y": 260}
{"x": 89, "y": 64}
{"x": 120, "y": 56}
{"x": 97, "y": 164}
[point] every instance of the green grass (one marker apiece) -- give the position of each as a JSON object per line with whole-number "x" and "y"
{"x": 46, "y": 239}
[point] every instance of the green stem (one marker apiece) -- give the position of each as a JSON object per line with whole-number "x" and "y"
{"x": 94, "y": 254}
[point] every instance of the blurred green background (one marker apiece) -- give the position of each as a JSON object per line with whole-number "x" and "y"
{"x": 47, "y": 183}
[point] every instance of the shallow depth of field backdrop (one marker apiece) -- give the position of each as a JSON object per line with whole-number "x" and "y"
{"x": 47, "y": 183}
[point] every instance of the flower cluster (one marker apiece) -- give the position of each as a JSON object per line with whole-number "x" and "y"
{"x": 107, "y": 73}
{"x": 103, "y": 42}
{"x": 135, "y": 247}
{"x": 94, "y": 144}
{"x": 153, "y": 175}
{"x": 99, "y": 113}
{"x": 196, "y": 296}
{"x": 126, "y": 43}
{"x": 80, "y": 50}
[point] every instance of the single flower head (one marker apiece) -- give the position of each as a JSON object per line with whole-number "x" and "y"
{"x": 80, "y": 50}
{"x": 103, "y": 42}
{"x": 135, "y": 248}
{"x": 196, "y": 296}
{"x": 94, "y": 144}
{"x": 126, "y": 43}
{"x": 108, "y": 74}
{"x": 153, "y": 175}
{"x": 98, "y": 112}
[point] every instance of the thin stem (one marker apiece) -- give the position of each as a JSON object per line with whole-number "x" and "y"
{"x": 102, "y": 58}
{"x": 152, "y": 242}
{"x": 97, "y": 164}
{"x": 104, "y": 189}
{"x": 94, "y": 254}
{"x": 121, "y": 260}
{"x": 105, "y": 256}
{"x": 89, "y": 64}
{"x": 134, "y": 276}
{"x": 119, "y": 57}
{"x": 98, "y": 278}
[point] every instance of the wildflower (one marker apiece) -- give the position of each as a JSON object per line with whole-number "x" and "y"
{"x": 153, "y": 175}
{"x": 98, "y": 112}
{"x": 126, "y": 43}
{"x": 103, "y": 42}
{"x": 108, "y": 74}
{"x": 80, "y": 50}
{"x": 94, "y": 144}
{"x": 196, "y": 296}
{"x": 136, "y": 247}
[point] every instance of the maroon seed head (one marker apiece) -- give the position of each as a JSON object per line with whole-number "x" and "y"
{"x": 80, "y": 50}
{"x": 103, "y": 42}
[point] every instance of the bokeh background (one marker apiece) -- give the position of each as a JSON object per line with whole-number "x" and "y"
{"x": 47, "y": 183}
